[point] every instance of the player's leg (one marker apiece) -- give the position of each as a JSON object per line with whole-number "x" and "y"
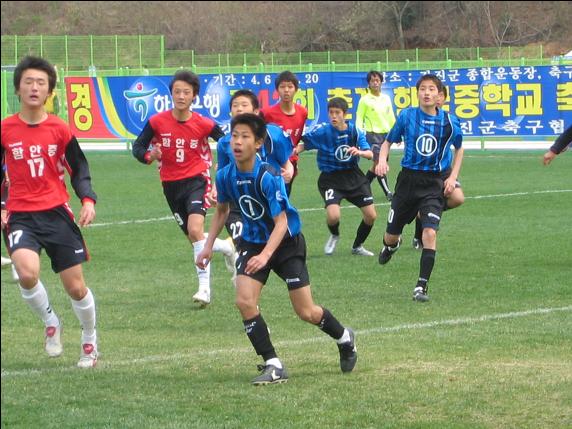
{"x": 333, "y": 215}
{"x": 195, "y": 227}
{"x": 368, "y": 219}
{"x": 248, "y": 290}
{"x": 456, "y": 198}
{"x": 27, "y": 264}
{"x": 83, "y": 305}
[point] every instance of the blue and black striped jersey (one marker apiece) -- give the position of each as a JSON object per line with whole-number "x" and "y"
{"x": 427, "y": 139}
{"x": 276, "y": 149}
{"x": 261, "y": 195}
{"x": 332, "y": 146}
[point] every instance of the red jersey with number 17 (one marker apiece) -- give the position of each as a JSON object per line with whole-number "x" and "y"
{"x": 35, "y": 162}
{"x": 185, "y": 150}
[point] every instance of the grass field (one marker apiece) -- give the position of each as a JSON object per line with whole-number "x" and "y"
{"x": 492, "y": 349}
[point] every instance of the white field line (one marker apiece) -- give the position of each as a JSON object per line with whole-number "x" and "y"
{"x": 475, "y": 197}
{"x": 186, "y": 357}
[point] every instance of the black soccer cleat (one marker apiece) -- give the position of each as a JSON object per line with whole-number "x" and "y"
{"x": 387, "y": 252}
{"x": 270, "y": 375}
{"x": 348, "y": 353}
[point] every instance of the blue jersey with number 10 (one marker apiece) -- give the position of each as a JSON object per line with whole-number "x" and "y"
{"x": 261, "y": 195}
{"x": 427, "y": 139}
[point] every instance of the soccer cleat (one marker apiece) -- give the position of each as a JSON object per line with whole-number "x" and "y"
{"x": 348, "y": 353}
{"x": 6, "y": 261}
{"x": 420, "y": 294}
{"x": 361, "y": 251}
{"x": 203, "y": 297}
{"x": 387, "y": 252}
{"x": 88, "y": 356}
{"x": 270, "y": 375}
{"x": 417, "y": 244}
{"x": 389, "y": 196}
{"x": 230, "y": 259}
{"x": 53, "y": 345}
{"x": 331, "y": 244}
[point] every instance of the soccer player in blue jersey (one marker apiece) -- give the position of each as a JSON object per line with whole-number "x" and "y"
{"x": 428, "y": 133}
{"x": 271, "y": 240}
{"x": 276, "y": 150}
{"x": 452, "y": 200}
{"x": 340, "y": 144}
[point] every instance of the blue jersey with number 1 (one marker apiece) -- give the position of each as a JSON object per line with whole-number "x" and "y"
{"x": 260, "y": 195}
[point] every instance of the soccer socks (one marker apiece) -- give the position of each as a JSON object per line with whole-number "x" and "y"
{"x": 204, "y": 275}
{"x": 37, "y": 299}
{"x": 334, "y": 229}
{"x": 330, "y": 325}
{"x": 362, "y": 233}
{"x": 382, "y": 180}
{"x": 426, "y": 267}
{"x": 258, "y": 334}
{"x": 84, "y": 310}
{"x": 222, "y": 246}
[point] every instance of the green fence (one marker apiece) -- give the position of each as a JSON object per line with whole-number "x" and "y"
{"x": 136, "y": 55}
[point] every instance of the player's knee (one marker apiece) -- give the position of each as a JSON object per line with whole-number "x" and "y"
{"x": 429, "y": 237}
{"x": 308, "y": 314}
{"x": 456, "y": 199}
{"x": 245, "y": 305}
{"x": 28, "y": 278}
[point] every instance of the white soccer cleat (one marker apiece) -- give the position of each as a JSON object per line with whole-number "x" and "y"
{"x": 203, "y": 297}
{"x": 6, "y": 261}
{"x": 88, "y": 356}
{"x": 361, "y": 251}
{"x": 53, "y": 344}
{"x": 331, "y": 244}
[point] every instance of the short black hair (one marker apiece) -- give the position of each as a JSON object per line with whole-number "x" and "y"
{"x": 188, "y": 77}
{"x": 287, "y": 76}
{"x": 445, "y": 92}
{"x": 248, "y": 94}
{"x": 254, "y": 122}
{"x": 338, "y": 103}
{"x": 432, "y": 78}
{"x": 36, "y": 63}
{"x": 374, "y": 73}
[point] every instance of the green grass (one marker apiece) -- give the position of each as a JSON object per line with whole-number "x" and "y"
{"x": 481, "y": 354}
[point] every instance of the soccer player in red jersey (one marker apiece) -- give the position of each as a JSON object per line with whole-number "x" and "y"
{"x": 37, "y": 148}
{"x": 288, "y": 114}
{"x": 178, "y": 140}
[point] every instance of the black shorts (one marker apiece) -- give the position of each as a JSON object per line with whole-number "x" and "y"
{"x": 416, "y": 191}
{"x": 185, "y": 197}
{"x": 53, "y": 230}
{"x": 233, "y": 224}
{"x": 349, "y": 184}
{"x": 288, "y": 261}
{"x": 375, "y": 140}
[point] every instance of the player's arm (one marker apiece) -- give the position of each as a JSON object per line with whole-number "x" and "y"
{"x": 559, "y": 146}
{"x": 456, "y": 168}
{"x": 140, "y": 148}
{"x": 80, "y": 179}
{"x": 216, "y": 133}
{"x": 259, "y": 261}
{"x": 362, "y": 147}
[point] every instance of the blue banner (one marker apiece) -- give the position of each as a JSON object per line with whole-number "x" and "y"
{"x": 489, "y": 101}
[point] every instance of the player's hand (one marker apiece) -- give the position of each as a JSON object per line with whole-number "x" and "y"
{"x": 288, "y": 172}
{"x": 87, "y": 213}
{"x": 4, "y": 218}
{"x": 212, "y": 196}
{"x": 156, "y": 153}
{"x": 382, "y": 167}
{"x": 203, "y": 258}
{"x": 449, "y": 186}
{"x": 548, "y": 157}
{"x": 256, "y": 263}
{"x": 353, "y": 151}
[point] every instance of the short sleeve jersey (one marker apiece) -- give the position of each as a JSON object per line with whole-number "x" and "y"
{"x": 260, "y": 195}
{"x": 35, "y": 162}
{"x": 184, "y": 145}
{"x": 427, "y": 139}
{"x": 332, "y": 146}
